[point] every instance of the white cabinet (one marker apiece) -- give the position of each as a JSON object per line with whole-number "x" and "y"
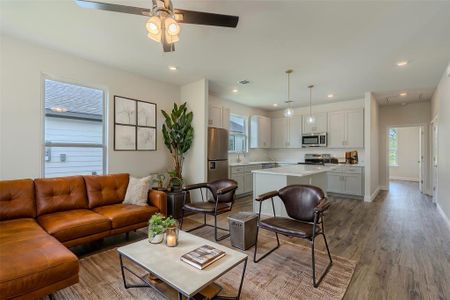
{"x": 335, "y": 183}
{"x": 239, "y": 178}
{"x": 346, "y": 129}
{"x": 218, "y": 116}
{"x": 355, "y": 129}
{"x": 295, "y": 132}
{"x": 319, "y": 125}
{"x": 260, "y": 132}
{"x": 287, "y": 132}
{"x": 248, "y": 182}
{"x": 280, "y": 133}
{"x": 346, "y": 180}
{"x": 336, "y": 129}
{"x": 244, "y": 177}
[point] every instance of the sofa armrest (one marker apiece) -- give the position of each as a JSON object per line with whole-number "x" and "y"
{"x": 159, "y": 200}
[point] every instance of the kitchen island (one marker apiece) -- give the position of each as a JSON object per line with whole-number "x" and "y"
{"x": 266, "y": 180}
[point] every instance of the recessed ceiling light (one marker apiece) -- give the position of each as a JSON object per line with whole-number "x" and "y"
{"x": 275, "y": 105}
{"x": 403, "y": 94}
{"x": 330, "y": 95}
{"x": 235, "y": 91}
{"x": 402, "y": 63}
{"x": 172, "y": 68}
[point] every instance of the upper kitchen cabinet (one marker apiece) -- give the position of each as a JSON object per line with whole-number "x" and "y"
{"x": 319, "y": 125}
{"x": 286, "y": 132}
{"x": 260, "y": 132}
{"x": 218, "y": 117}
{"x": 346, "y": 129}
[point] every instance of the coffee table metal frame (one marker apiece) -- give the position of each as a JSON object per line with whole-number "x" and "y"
{"x": 147, "y": 284}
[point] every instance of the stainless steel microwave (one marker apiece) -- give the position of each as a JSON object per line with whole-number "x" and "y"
{"x": 314, "y": 140}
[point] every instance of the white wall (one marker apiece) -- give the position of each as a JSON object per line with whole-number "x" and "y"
{"x": 371, "y": 124}
{"x": 408, "y": 151}
{"x": 296, "y": 155}
{"x": 21, "y": 125}
{"x": 242, "y": 110}
{"x": 196, "y": 96}
{"x": 441, "y": 101}
{"x": 413, "y": 114}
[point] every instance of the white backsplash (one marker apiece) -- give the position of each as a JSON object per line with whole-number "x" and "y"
{"x": 291, "y": 155}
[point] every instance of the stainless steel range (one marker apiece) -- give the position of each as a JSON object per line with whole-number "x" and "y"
{"x": 318, "y": 159}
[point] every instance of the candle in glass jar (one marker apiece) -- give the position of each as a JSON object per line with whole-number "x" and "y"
{"x": 171, "y": 240}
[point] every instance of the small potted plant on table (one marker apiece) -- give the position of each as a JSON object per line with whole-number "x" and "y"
{"x": 156, "y": 229}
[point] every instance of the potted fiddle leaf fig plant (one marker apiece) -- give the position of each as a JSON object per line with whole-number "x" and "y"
{"x": 178, "y": 134}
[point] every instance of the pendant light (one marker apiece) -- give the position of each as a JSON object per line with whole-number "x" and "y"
{"x": 289, "y": 111}
{"x": 311, "y": 118}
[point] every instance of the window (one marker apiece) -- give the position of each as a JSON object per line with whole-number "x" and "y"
{"x": 393, "y": 147}
{"x": 74, "y": 130}
{"x": 238, "y": 134}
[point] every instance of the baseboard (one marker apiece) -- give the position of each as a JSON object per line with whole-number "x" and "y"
{"x": 404, "y": 178}
{"x": 373, "y": 196}
{"x": 384, "y": 188}
{"x": 446, "y": 220}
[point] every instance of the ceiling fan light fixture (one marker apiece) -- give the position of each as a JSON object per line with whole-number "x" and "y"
{"x": 153, "y": 25}
{"x": 172, "y": 27}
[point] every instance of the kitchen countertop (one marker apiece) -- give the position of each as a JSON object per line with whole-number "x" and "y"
{"x": 236, "y": 164}
{"x": 296, "y": 170}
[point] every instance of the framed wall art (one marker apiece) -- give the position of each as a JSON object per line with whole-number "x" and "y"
{"x": 134, "y": 125}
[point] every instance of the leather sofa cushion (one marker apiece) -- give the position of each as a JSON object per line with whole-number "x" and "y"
{"x": 288, "y": 227}
{"x": 17, "y": 199}
{"x": 122, "y": 215}
{"x": 106, "y": 189}
{"x": 73, "y": 224}
{"x": 31, "y": 259}
{"x": 60, "y": 194}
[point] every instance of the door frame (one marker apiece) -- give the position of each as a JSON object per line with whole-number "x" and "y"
{"x": 423, "y": 151}
{"x": 433, "y": 175}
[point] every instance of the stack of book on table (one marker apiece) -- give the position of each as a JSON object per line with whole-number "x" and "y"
{"x": 203, "y": 256}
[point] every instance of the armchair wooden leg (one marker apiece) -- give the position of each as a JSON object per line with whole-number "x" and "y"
{"x": 267, "y": 253}
{"x": 316, "y": 283}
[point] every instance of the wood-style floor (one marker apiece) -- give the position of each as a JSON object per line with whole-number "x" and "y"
{"x": 399, "y": 241}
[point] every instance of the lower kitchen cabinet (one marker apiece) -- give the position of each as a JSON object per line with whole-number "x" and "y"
{"x": 244, "y": 177}
{"x": 346, "y": 180}
{"x": 239, "y": 178}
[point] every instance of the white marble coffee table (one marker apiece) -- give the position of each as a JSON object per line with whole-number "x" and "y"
{"x": 164, "y": 262}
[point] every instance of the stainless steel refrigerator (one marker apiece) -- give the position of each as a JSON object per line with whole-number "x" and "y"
{"x": 217, "y": 153}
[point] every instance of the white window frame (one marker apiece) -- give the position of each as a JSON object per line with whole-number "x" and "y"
{"x": 245, "y": 118}
{"x": 46, "y": 144}
{"x": 389, "y": 149}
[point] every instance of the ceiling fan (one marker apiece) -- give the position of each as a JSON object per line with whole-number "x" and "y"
{"x": 163, "y": 23}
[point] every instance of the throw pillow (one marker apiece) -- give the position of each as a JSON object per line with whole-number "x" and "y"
{"x": 137, "y": 191}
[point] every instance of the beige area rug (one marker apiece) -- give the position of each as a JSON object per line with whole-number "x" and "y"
{"x": 285, "y": 274}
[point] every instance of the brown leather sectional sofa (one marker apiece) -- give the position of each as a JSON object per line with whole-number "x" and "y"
{"x": 39, "y": 219}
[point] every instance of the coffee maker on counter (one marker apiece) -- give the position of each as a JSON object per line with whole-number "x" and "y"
{"x": 351, "y": 157}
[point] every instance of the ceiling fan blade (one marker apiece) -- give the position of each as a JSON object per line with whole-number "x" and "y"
{"x": 114, "y": 7}
{"x": 205, "y": 18}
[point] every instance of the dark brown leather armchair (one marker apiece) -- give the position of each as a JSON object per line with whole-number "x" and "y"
{"x": 223, "y": 195}
{"x": 305, "y": 205}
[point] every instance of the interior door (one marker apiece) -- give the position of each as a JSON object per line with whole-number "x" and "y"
{"x": 434, "y": 171}
{"x": 421, "y": 155}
